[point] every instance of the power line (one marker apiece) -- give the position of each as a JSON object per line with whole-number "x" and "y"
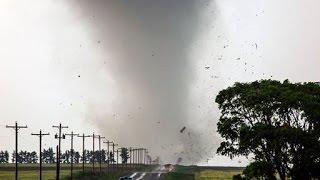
{"x": 16, "y": 128}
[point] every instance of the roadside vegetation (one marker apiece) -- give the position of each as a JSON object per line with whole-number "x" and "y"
{"x": 276, "y": 122}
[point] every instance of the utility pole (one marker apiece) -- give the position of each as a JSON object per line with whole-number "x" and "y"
{"x": 138, "y": 157}
{"x": 108, "y": 142}
{"x": 40, "y": 152}
{"x": 93, "y": 136}
{"x": 145, "y": 156}
{"x": 113, "y": 145}
{"x": 60, "y": 127}
{"x": 83, "y": 153}
{"x": 133, "y": 158}
{"x": 117, "y": 159}
{"x": 100, "y": 137}
{"x": 72, "y": 135}
{"x": 142, "y": 156}
{"x": 16, "y": 128}
{"x": 130, "y": 155}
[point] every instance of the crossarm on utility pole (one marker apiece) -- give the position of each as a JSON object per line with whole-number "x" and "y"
{"x": 83, "y": 152}
{"x": 16, "y": 128}
{"x": 72, "y": 135}
{"x": 40, "y": 150}
{"x": 60, "y": 127}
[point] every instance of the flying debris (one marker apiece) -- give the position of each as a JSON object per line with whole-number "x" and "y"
{"x": 181, "y": 131}
{"x": 238, "y": 58}
{"x": 256, "y": 45}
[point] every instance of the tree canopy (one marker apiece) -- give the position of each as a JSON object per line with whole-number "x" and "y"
{"x": 277, "y": 122}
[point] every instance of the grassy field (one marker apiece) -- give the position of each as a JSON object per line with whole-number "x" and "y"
{"x": 34, "y": 175}
{"x": 215, "y": 174}
{"x": 31, "y": 172}
{"x": 202, "y": 173}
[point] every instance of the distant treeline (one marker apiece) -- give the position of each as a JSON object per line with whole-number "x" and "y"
{"x": 48, "y": 156}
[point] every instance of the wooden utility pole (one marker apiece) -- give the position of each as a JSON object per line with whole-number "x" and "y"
{"x": 83, "y": 153}
{"x": 72, "y": 135}
{"x": 59, "y": 137}
{"x": 144, "y": 156}
{"x": 138, "y": 156}
{"x": 100, "y": 137}
{"x": 133, "y": 158}
{"x": 117, "y": 160}
{"x": 108, "y": 153}
{"x": 113, "y": 145}
{"x": 93, "y": 153}
{"x": 40, "y": 151}
{"x": 16, "y": 128}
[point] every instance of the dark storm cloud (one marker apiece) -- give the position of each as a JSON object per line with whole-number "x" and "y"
{"x": 146, "y": 44}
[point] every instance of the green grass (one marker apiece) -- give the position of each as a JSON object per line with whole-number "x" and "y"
{"x": 215, "y": 174}
{"x": 31, "y": 171}
{"x": 33, "y": 175}
{"x": 178, "y": 176}
{"x": 202, "y": 173}
{"x": 91, "y": 176}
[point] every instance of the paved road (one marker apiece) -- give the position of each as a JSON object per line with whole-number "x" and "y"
{"x": 147, "y": 175}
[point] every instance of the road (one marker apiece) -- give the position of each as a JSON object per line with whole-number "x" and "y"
{"x": 147, "y": 175}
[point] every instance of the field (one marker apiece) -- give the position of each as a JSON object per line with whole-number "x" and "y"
{"x": 215, "y": 174}
{"x": 203, "y": 173}
{"x": 31, "y": 172}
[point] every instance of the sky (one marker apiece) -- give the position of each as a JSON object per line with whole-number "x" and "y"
{"x": 139, "y": 71}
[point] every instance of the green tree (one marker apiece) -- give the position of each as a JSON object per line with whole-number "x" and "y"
{"x": 124, "y": 155}
{"x": 277, "y": 122}
{"x": 48, "y": 156}
{"x": 6, "y": 156}
{"x": 260, "y": 169}
{"x": 77, "y": 157}
{"x": 2, "y": 157}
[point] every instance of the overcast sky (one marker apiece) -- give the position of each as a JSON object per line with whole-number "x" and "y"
{"x": 139, "y": 71}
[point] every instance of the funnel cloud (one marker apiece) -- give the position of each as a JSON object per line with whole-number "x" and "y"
{"x": 146, "y": 49}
